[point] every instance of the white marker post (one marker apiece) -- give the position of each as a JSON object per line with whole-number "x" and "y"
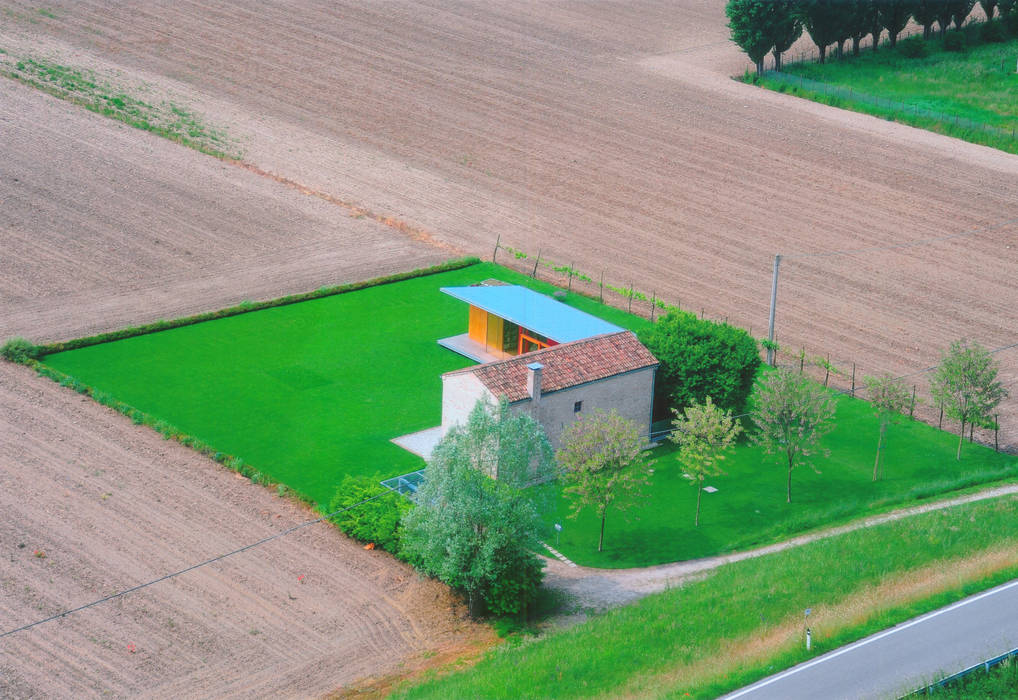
{"x": 809, "y": 632}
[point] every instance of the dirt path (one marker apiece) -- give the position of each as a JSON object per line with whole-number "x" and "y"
{"x": 599, "y": 589}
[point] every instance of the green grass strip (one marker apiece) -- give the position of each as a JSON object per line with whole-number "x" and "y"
{"x": 688, "y": 640}
{"x": 248, "y": 306}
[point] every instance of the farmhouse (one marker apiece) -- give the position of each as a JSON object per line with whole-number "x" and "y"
{"x": 557, "y": 384}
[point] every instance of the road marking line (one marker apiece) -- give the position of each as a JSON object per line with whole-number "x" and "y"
{"x": 868, "y": 640}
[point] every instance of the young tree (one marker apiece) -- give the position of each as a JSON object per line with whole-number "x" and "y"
{"x": 791, "y": 414}
{"x": 988, "y": 7}
{"x": 890, "y": 397}
{"x": 476, "y": 533}
{"x": 704, "y": 433}
{"x": 750, "y": 22}
{"x": 966, "y": 385}
{"x": 604, "y": 463}
{"x": 698, "y": 359}
{"x": 863, "y": 15}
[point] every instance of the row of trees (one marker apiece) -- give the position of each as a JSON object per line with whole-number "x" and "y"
{"x": 760, "y": 27}
{"x": 479, "y": 534}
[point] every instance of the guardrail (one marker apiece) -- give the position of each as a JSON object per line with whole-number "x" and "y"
{"x": 985, "y": 665}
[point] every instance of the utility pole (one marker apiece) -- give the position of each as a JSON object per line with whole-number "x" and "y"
{"x": 770, "y": 320}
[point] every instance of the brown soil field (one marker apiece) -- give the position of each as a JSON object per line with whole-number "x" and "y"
{"x": 604, "y": 134}
{"x": 111, "y": 506}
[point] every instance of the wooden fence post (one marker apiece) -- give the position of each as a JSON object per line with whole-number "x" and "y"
{"x": 601, "y": 288}
{"x": 495, "y": 252}
{"x": 571, "y": 276}
{"x": 630, "y": 297}
{"x": 996, "y": 430}
{"x": 940, "y": 422}
{"x": 653, "y": 305}
{"x": 853, "y": 380}
{"x": 911, "y": 409}
{"x": 536, "y": 263}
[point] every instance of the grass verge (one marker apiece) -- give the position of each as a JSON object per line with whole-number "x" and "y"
{"x": 971, "y": 95}
{"x": 100, "y": 95}
{"x": 744, "y": 621}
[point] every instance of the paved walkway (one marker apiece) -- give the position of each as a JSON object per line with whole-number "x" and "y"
{"x": 906, "y": 657}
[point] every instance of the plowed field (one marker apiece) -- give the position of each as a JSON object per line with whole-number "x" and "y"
{"x": 605, "y": 134}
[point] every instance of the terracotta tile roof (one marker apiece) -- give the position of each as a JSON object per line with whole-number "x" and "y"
{"x": 566, "y": 365}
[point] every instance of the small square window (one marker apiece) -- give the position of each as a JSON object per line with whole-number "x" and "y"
{"x": 577, "y": 407}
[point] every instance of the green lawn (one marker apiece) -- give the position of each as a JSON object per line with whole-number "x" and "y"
{"x": 979, "y": 85}
{"x": 305, "y": 393}
{"x": 749, "y": 507}
{"x": 745, "y": 620}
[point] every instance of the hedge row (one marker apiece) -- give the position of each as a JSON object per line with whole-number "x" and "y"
{"x": 247, "y": 307}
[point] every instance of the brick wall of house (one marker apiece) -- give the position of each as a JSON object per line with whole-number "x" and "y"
{"x": 631, "y": 395}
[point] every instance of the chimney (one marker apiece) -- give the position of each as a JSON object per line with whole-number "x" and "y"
{"x": 534, "y": 380}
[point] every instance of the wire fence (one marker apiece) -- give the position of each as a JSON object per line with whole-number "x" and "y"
{"x": 842, "y": 374}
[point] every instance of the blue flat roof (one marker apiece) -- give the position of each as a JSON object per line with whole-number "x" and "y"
{"x": 536, "y": 312}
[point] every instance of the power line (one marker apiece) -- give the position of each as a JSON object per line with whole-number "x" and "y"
{"x": 909, "y": 244}
{"x": 246, "y": 547}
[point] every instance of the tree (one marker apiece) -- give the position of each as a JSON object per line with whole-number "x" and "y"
{"x": 750, "y": 21}
{"x": 960, "y": 11}
{"x": 862, "y": 19}
{"x": 890, "y": 398}
{"x": 926, "y": 12}
{"x": 894, "y": 15}
{"x": 704, "y": 433}
{"x": 699, "y": 359}
{"x": 988, "y": 7}
{"x": 965, "y": 384}
{"x": 474, "y": 532}
{"x": 786, "y": 28}
{"x": 604, "y": 463}
{"x": 791, "y": 414}
{"x": 823, "y": 20}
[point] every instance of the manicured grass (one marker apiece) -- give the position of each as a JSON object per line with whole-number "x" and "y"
{"x": 979, "y": 85}
{"x": 749, "y": 507}
{"x": 309, "y": 392}
{"x": 745, "y": 620}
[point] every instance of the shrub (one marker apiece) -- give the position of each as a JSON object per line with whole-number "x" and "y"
{"x": 913, "y": 47}
{"x": 1010, "y": 21}
{"x": 19, "y": 350}
{"x": 376, "y": 521}
{"x": 992, "y": 32}
{"x": 954, "y": 41}
{"x": 700, "y": 358}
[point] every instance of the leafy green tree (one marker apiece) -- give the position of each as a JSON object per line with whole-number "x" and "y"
{"x": 965, "y": 384}
{"x": 791, "y": 414}
{"x": 786, "y": 28}
{"x": 988, "y": 7}
{"x": 925, "y": 13}
{"x": 698, "y": 359}
{"x": 889, "y": 397}
{"x": 750, "y": 21}
{"x": 603, "y": 463}
{"x": 960, "y": 11}
{"x": 894, "y": 16}
{"x": 377, "y": 521}
{"x": 704, "y": 434}
{"x": 862, "y": 17}
{"x": 824, "y": 20}
{"x": 944, "y": 14}
{"x": 474, "y": 532}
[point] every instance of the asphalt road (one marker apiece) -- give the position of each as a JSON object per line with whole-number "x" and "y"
{"x": 903, "y": 658}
